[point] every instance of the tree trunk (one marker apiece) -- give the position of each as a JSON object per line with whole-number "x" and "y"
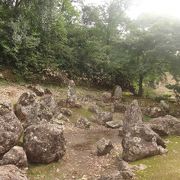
{"x": 140, "y": 85}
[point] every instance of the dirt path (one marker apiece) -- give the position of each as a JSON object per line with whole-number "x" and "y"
{"x": 81, "y": 161}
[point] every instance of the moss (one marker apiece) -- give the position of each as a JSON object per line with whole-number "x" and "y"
{"x": 45, "y": 172}
{"x": 146, "y": 118}
{"x": 162, "y": 167}
{"x": 82, "y": 112}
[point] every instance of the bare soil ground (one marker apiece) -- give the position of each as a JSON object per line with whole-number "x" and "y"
{"x": 81, "y": 161}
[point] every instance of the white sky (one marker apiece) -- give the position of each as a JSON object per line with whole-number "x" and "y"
{"x": 160, "y": 7}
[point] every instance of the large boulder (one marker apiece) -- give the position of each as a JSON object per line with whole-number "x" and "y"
{"x": 11, "y": 172}
{"x": 104, "y": 146}
{"x": 32, "y": 110}
{"x": 10, "y": 128}
{"x": 44, "y": 143}
{"x": 139, "y": 140}
{"x": 15, "y": 156}
{"x": 167, "y": 125}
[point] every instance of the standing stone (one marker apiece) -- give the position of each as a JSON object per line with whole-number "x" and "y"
{"x": 26, "y": 109}
{"x": 71, "y": 93}
{"x": 117, "y": 93}
{"x": 10, "y": 128}
{"x": 139, "y": 141}
{"x": 44, "y": 143}
{"x": 11, "y": 172}
{"x": 15, "y": 156}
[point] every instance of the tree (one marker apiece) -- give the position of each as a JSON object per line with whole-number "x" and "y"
{"x": 150, "y": 48}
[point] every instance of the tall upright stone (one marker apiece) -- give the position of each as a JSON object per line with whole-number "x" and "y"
{"x": 117, "y": 93}
{"x": 139, "y": 140}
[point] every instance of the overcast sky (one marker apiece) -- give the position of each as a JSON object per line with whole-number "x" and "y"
{"x": 164, "y": 7}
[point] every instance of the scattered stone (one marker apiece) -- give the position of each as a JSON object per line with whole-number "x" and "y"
{"x": 139, "y": 140}
{"x": 59, "y": 118}
{"x": 38, "y": 90}
{"x": 121, "y": 131}
{"x": 125, "y": 169}
{"x": 11, "y": 172}
{"x": 114, "y": 124}
{"x": 103, "y": 117}
{"x": 104, "y": 147}
{"x": 1, "y": 76}
{"x": 44, "y": 143}
{"x": 117, "y": 93}
{"x": 106, "y": 97}
{"x": 62, "y": 103}
{"x": 164, "y": 106}
{"x": 113, "y": 176}
{"x": 10, "y": 128}
{"x": 119, "y": 107}
{"x": 54, "y": 76}
{"x": 15, "y": 156}
{"x": 83, "y": 123}
{"x": 140, "y": 167}
{"x": 167, "y": 125}
{"x": 66, "y": 112}
{"x": 154, "y": 112}
{"x": 94, "y": 109}
{"x": 77, "y": 105}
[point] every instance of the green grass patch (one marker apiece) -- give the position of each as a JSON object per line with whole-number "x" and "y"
{"x": 162, "y": 167}
{"x": 45, "y": 172}
{"x": 82, "y": 112}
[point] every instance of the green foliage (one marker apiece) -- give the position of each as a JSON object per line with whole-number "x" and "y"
{"x": 95, "y": 44}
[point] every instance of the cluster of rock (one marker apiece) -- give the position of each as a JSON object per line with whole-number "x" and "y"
{"x": 139, "y": 140}
{"x": 164, "y": 126}
{"x": 43, "y": 139}
{"x": 157, "y": 111}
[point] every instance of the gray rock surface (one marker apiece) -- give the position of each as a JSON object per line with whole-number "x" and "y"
{"x": 15, "y": 156}
{"x": 167, "y": 125}
{"x": 83, "y": 123}
{"x": 10, "y": 128}
{"x": 32, "y": 110}
{"x": 114, "y": 124}
{"x": 11, "y": 172}
{"x": 104, "y": 146}
{"x": 44, "y": 143}
{"x": 139, "y": 140}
